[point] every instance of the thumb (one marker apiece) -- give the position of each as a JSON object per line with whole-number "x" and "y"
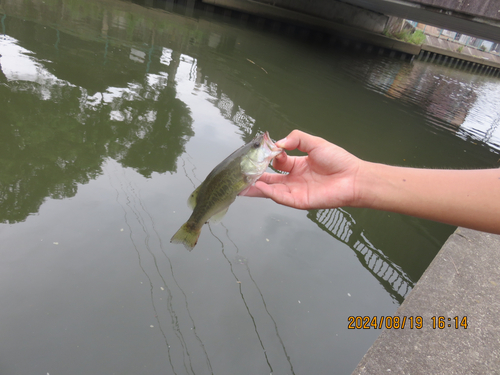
{"x": 299, "y": 140}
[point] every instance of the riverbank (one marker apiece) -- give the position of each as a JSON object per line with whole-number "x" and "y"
{"x": 458, "y": 299}
{"x": 433, "y": 49}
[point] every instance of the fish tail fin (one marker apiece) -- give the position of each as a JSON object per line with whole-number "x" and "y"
{"x": 187, "y": 236}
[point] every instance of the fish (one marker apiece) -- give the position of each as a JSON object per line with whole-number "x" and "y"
{"x": 233, "y": 176}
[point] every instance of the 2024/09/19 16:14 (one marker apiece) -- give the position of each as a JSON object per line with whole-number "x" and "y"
{"x": 400, "y": 322}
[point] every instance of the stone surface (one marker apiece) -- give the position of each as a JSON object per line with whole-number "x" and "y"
{"x": 462, "y": 281}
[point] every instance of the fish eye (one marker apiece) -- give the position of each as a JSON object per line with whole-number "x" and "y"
{"x": 256, "y": 145}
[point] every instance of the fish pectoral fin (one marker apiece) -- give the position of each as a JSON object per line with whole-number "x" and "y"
{"x": 192, "y": 198}
{"x": 217, "y": 218}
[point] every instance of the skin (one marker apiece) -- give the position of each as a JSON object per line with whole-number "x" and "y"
{"x": 329, "y": 177}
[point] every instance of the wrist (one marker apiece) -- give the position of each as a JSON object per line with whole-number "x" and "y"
{"x": 371, "y": 185}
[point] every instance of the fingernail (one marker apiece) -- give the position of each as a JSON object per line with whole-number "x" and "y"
{"x": 281, "y": 143}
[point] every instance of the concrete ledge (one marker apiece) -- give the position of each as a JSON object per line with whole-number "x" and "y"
{"x": 462, "y": 281}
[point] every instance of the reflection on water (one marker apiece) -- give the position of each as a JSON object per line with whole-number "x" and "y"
{"x": 114, "y": 112}
{"x": 139, "y": 123}
{"x": 341, "y": 225}
{"x": 136, "y": 214}
{"x": 457, "y": 101}
{"x": 243, "y": 261}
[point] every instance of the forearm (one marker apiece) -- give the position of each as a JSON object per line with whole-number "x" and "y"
{"x": 469, "y": 198}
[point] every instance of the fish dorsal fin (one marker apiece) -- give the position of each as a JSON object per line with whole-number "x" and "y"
{"x": 192, "y": 198}
{"x": 217, "y": 218}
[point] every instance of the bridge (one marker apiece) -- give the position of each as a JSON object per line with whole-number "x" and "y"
{"x": 477, "y": 18}
{"x": 367, "y": 22}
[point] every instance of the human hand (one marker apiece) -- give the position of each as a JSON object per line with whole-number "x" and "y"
{"x": 324, "y": 178}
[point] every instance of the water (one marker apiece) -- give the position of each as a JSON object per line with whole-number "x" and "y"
{"x": 112, "y": 113}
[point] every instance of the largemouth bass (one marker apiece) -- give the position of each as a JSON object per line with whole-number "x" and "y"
{"x": 235, "y": 174}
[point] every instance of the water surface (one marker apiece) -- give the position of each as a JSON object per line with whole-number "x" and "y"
{"x": 113, "y": 113}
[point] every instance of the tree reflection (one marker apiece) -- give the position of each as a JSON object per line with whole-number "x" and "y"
{"x": 55, "y": 133}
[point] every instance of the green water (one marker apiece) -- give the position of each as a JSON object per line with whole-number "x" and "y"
{"x": 112, "y": 113}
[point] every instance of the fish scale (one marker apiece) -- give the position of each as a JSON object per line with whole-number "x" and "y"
{"x": 233, "y": 175}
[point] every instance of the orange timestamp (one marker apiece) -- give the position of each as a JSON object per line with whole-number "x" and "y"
{"x": 401, "y": 322}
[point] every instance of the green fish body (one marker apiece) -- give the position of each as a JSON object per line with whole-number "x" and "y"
{"x": 235, "y": 174}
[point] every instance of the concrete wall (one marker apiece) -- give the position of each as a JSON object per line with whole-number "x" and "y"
{"x": 335, "y": 11}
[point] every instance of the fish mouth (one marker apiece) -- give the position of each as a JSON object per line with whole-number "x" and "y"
{"x": 271, "y": 145}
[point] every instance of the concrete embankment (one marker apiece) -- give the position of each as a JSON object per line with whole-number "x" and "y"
{"x": 458, "y": 55}
{"x": 348, "y": 31}
{"x": 458, "y": 300}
